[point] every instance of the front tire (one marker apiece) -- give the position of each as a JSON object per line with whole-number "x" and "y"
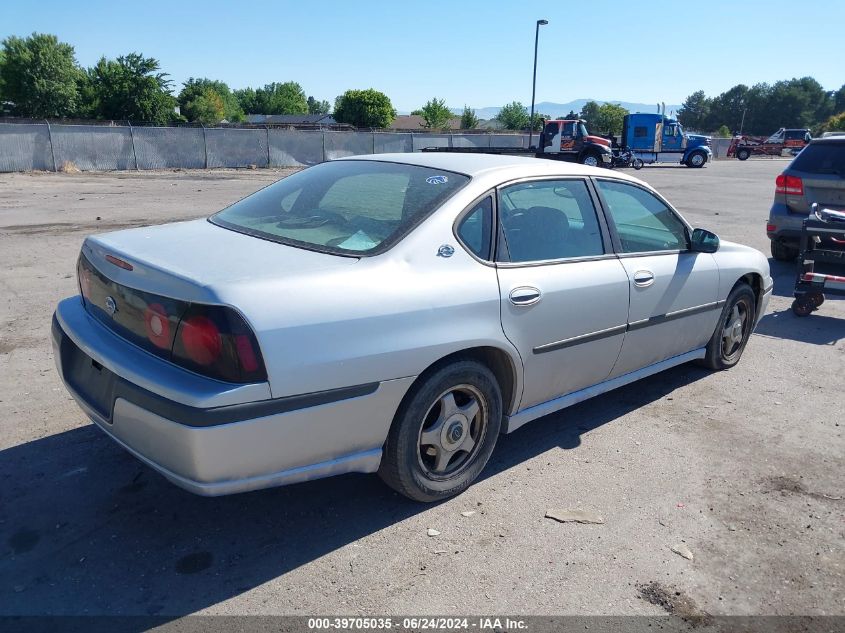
{"x": 591, "y": 159}
{"x": 734, "y": 329}
{"x": 697, "y": 160}
{"x": 443, "y": 433}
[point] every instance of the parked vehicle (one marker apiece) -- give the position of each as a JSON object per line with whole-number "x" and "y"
{"x": 781, "y": 143}
{"x": 560, "y": 139}
{"x": 816, "y": 175}
{"x": 392, "y": 313}
{"x": 568, "y": 139}
{"x": 653, "y": 138}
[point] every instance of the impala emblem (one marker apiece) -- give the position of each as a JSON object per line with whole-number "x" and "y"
{"x": 111, "y": 306}
{"x": 445, "y": 250}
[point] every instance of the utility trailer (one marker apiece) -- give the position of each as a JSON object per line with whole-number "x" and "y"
{"x": 560, "y": 139}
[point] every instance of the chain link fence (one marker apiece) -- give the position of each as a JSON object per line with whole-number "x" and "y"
{"x": 53, "y": 147}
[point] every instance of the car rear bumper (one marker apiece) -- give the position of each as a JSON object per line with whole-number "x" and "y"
{"x": 224, "y": 449}
{"x": 787, "y": 225}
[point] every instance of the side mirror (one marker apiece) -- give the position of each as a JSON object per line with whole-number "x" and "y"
{"x": 703, "y": 241}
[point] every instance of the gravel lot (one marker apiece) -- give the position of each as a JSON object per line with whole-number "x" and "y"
{"x": 745, "y": 467}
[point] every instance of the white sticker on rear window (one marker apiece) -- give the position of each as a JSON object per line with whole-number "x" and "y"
{"x": 437, "y": 180}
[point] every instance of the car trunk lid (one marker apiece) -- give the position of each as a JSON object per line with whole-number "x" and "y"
{"x": 196, "y": 261}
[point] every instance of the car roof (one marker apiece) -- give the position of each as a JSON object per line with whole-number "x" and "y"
{"x": 483, "y": 164}
{"x": 828, "y": 140}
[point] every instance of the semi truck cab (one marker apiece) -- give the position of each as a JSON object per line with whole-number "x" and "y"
{"x": 658, "y": 138}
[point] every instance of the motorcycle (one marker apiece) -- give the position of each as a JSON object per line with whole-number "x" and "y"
{"x": 625, "y": 158}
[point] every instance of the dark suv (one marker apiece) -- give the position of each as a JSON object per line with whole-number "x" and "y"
{"x": 817, "y": 174}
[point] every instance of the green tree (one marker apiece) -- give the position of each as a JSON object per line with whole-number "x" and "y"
{"x": 318, "y": 107}
{"x": 195, "y": 97}
{"x": 538, "y": 121}
{"x": 728, "y": 109}
{"x": 281, "y": 98}
{"x": 246, "y": 100}
{"x": 723, "y": 132}
{"x": 609, "y": 119}
{"x": 469, "y": 120}
{"x": 571, "y": 116}
{"x": 206, "y": 108}
{"x": 839, "y": 100}
{"x": 435, "y": 114}
{"x": 834, "y": 123}
{"x": 695, "y": 111}
{"x": 799, "y": 103}
{"x": 132, "y": 88}
{"x": 513, "y": 116}
{"x": 40, "y": 76}
{"x": 590, "y": 112}
{"x": 364, "y": 108}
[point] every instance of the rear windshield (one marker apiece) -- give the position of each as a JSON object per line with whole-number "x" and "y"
{"x": 821, "y": 158}
{"x": 349, "y": 207}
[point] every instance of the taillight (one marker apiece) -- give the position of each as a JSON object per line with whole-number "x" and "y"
{"x": 217, "y": 342}
{"x": 211, "y": 340}
{"x": 789, "y": 185}
{"x": 201, "y": 340}
{"x": 771, "y": 228}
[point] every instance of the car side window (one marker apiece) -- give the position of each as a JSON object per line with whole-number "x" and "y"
{"x": 643, "y": 222}
{"x": 549, "y": 219}
{"x": 476, "y": 228}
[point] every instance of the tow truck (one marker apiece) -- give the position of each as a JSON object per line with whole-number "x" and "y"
{"x": 784, "y": 141}
{"x": 560, "y": 139}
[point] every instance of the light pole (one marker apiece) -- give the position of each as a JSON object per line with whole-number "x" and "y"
{"x": 534, "y": 81}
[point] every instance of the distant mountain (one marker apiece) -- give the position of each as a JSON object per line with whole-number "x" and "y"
{"x": 562, "y": 109}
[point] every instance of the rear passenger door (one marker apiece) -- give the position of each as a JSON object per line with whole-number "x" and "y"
{"x": 674, "y": 292}
{"x": 564, "y": 294}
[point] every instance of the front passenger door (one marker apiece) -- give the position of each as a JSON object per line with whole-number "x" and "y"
{"x": 674, "y": 291}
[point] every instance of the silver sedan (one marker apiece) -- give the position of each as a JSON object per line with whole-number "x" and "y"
{"x": 394, "y": 314}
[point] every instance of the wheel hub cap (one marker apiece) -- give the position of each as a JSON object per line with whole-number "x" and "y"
{"x": 454, "y": 431}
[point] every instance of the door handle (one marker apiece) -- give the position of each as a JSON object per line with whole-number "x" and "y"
{"x": 525, "y": 295}
{"x": 643, "y": 278}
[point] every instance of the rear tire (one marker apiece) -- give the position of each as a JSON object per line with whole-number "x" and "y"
{"x": 733, "y": 330}
{"x": 783, "y": 253}
{"x": 443, "y": 433}
{"x": 743, "y": 154}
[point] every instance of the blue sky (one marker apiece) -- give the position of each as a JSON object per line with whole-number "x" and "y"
{"x": 470, "y": 52}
